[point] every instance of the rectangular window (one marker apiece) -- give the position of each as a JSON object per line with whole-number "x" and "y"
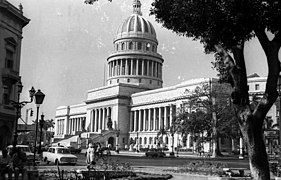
{"x": 9, "y": 59}
{"x": 257, "y": 87}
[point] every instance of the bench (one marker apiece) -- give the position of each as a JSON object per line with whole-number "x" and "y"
{"x": 229, "y": 171}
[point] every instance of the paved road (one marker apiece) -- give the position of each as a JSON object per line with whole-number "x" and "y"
{"x": 139, "y": 160}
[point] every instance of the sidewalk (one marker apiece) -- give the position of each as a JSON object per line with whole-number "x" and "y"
{"x": 177, "y": 155}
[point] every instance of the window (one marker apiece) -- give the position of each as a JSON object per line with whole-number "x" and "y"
{"x": 147, "y": 46}
{"x": 153, "y": 48}
{"x": 117, "y": 80}
{"x": 116, "y": 47}
{"x": 139, "y": 45}
{"x": 123, "y": 140}
{"x": 123, "y": 46}
{"x": 128, "y": 80}
{"x": 131, "y": 45}
{"x": 10, "y": 53}
{"x": 9, "y": 59}
{"x": 257, "y": 87}
{"x": 7, "y": 94}
{"x": 139, "y": 80}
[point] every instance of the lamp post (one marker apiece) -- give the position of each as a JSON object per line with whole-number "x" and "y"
{"x": 279, "y": 123}
{"x": 41, "y": 123}
{"x": 137, "y": 142}
{"x": 117, "y": 140}
{"x": 39, "y": 97}
{"x": 18, "y": 105}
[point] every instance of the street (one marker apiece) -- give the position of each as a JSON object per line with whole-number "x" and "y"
{"x": 141, "y": 160}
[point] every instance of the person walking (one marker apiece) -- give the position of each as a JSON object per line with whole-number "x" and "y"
{"x": 18, "y": 162}
{"x": 4, "y": 165}
{"x": 90, "y": 157}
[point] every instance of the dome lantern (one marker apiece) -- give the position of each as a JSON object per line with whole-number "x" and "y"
{"x": 137, "y": 7}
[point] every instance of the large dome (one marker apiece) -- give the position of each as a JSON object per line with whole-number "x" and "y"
{"x": 136, "y": 25}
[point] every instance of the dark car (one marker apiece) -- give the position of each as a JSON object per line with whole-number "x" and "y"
{"x": 74, "y": 150}
{"x": 155, "y": 153}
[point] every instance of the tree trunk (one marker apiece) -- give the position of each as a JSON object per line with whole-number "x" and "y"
{"x": 258, "y": 161}
{"x": 232, "y": 145}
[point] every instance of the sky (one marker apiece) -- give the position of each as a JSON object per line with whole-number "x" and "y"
{"x": 66, "y": 44}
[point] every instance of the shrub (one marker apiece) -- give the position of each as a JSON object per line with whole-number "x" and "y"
{"x": 201, "y": 167}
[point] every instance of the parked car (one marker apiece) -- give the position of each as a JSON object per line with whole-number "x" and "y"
{"x": 74, "y": 150}
{"x": 155, "y": 153}
{"x": 59, "y": 155}
{"x": 27, "y": 150}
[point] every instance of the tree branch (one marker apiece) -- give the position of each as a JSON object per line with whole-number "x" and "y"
{"x": 260, "y": 33}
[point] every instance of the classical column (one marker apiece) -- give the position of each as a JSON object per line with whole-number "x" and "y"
{"x": 94, "y": 120}
{"x": 140, "y": 120}
{"x": 154, "y": 118}
{"x": 147, "y": 67}
{"x": 132, "y": 66}
{"x": 137, "y": 66}
{"x": 165, "y": 117}
{"x": 160, "y": 122}
{"x": 142, "y": 67}
{"x": 101, "y": 114}
{"x": 152, "y": 69}
{"x": 144, "y": 119}
{"x": 97, "y": 119}
{"x": 135, "y": 120}
{"x": 149, "y": 120}
{"x": 126, "y": 67}
{"x": 131, "y": 121}
{"x": 104, "y": 118}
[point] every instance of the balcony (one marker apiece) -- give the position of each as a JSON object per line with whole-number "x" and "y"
{"x": 10, "y": 75}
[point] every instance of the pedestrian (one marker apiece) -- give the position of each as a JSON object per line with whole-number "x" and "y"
{"x": 4, "y": 165}
{"x": 90, "y": 157}
{"x": 18, "y": 162}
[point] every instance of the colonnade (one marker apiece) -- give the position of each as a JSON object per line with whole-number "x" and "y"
{"x": 142, "y": 67}
{"x": 60, "y": 126}
{"x": 151, "y": 119}
{"x": 75, "y": 124}
{"x": 99, "y": 119}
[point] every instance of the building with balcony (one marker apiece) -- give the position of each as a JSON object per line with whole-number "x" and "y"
{"x": 12, "y": 22}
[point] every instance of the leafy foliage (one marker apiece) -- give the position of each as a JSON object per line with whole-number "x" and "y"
{"x": 218, "y": 21}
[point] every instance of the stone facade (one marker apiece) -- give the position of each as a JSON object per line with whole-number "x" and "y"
{"x": 11, "y": 25}
{"x": 133, "y": 99}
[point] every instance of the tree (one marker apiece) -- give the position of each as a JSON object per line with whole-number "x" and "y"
{"x": 160, "y": 135}
{"x": 223, "y": 27}
{"x": 211, "y": 115}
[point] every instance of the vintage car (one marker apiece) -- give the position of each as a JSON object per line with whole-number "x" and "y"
{"x": 26, "y": 149}
{"x": 154, "y": 153}
{"x": 59, "y": 155}
{"x": 74, "y": 150}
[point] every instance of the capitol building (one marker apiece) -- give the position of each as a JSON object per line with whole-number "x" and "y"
{"x": 133, "y": 105}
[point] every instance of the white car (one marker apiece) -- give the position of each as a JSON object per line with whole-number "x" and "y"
{"x": 26, "y": 149}
{"x": 59, "y": 155}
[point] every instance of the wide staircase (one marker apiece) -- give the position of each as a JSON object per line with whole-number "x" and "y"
{"x": 85, "y": 138}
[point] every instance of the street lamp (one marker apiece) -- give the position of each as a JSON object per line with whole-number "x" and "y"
{"x": 137, "y": 142}
{"x": 39, "y": 97}
{"x": 18, "y": 105}
{"x": 117, "y": 139}
{"x": 41, "y": 123}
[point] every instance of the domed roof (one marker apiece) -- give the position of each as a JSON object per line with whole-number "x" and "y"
{"x": 136, "y": 25}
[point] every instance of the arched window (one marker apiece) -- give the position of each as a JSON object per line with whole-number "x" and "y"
{"x": 150, "y": 140}
{"x": 131, "y": 45}
{"x": 116, "y": 47}
{"x": 145, "y": 140}
{"x": 123, "y": 46}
